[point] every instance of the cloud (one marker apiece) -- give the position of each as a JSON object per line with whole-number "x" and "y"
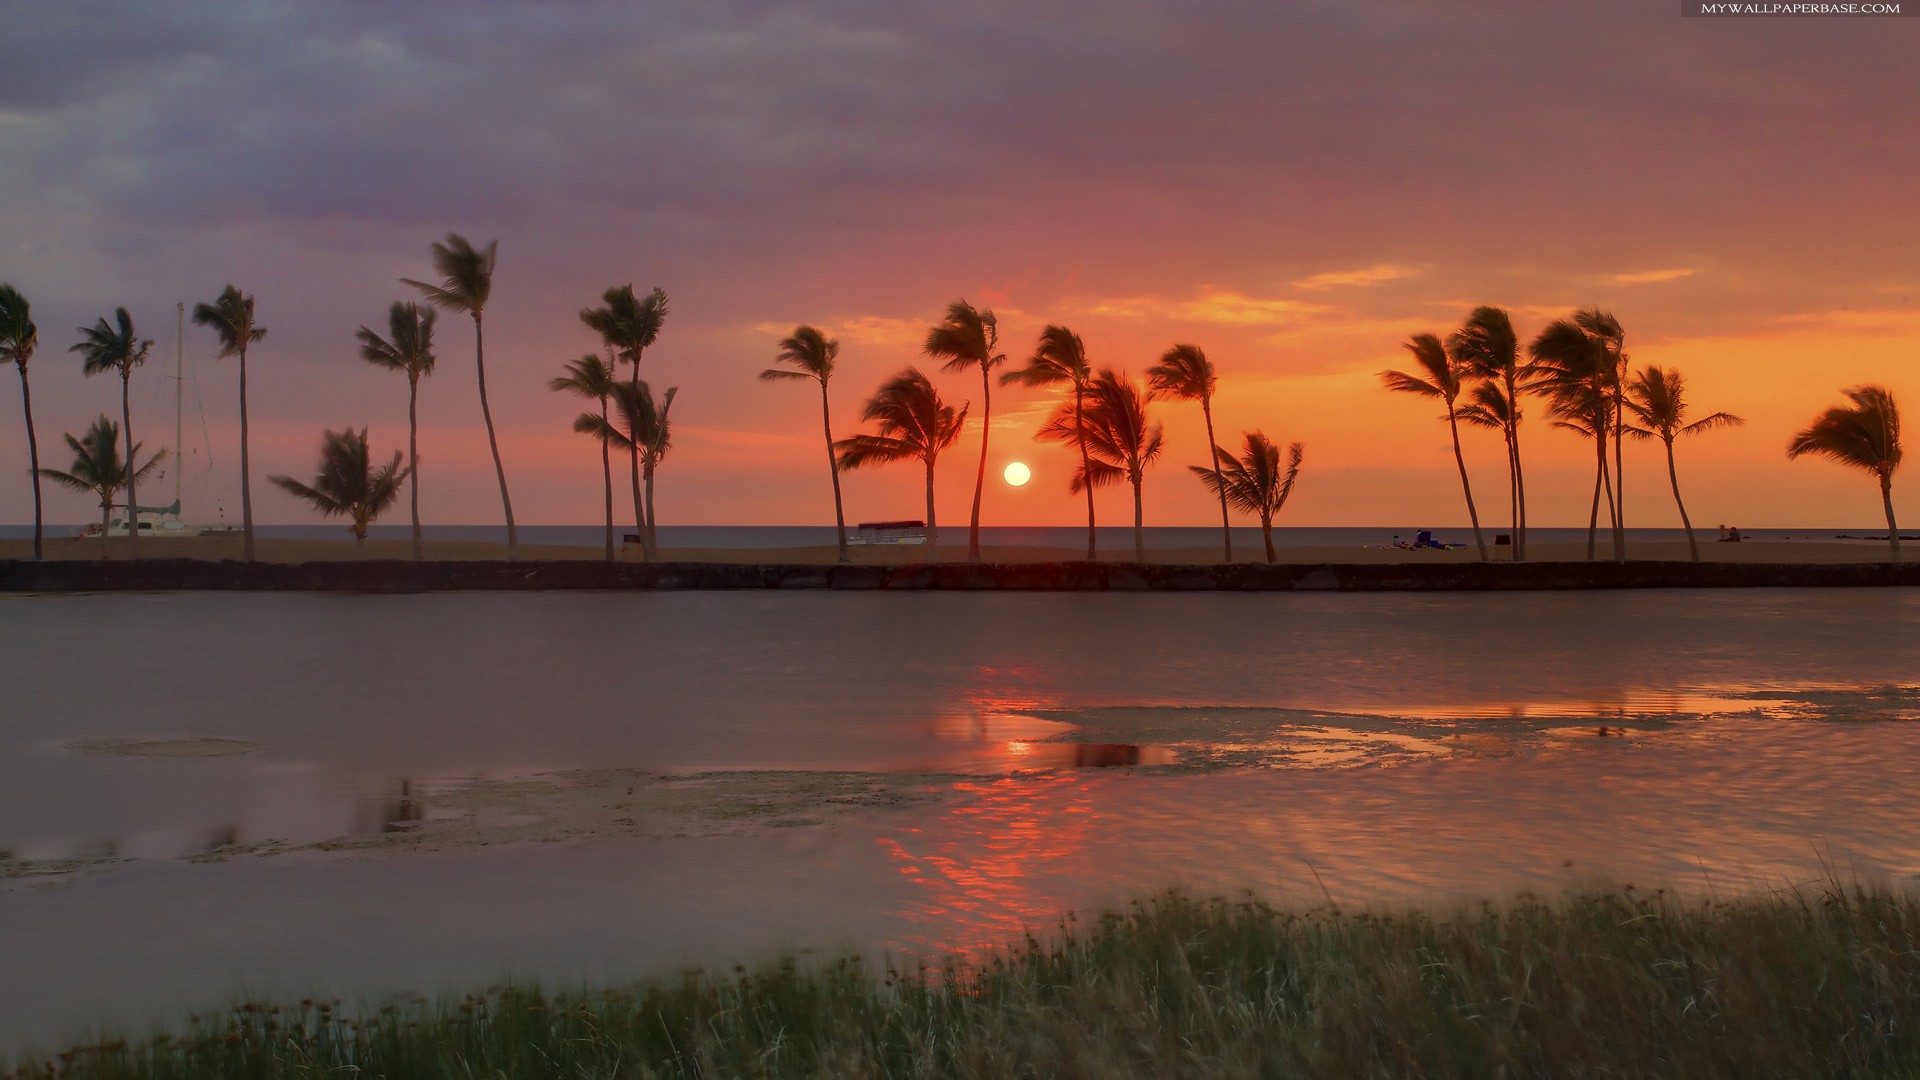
{"x": 1371, "y": 275}
{"x": 1214, "y": 305}
{"x": 1652, "y": 277}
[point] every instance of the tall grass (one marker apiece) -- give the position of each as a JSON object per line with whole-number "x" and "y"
{"x": 1614, "y": 983}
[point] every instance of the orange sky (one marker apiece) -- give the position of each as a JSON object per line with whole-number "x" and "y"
{"x": 1294, "y": 191}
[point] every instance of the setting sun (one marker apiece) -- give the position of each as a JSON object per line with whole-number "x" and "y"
{"x": 1018, "y": 474}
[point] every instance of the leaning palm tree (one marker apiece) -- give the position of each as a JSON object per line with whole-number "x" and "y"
{"x": 1656, "y": 397}
{"x": 1611, "y": 340}
{"x": 18, "y": 339}
{"x": 593, "y": 378}
{"x": 1441, "y": 379}
{"x": 1185, "y": 373}
{"x": 1120, "y": 442}
{"x": 231, "y": 316}
{"x": 811, "y": 355}
{"x": 643, "y": 429}
{"x": 1866, "y": 436}
{"x": 914, "y": 424}
{"x": 410, "y": 349}
{"x": 98, "y": 470}
{"x": 466, "y": 282}
{"x": 349, "y": 485}
{"x": 1062, "y": 358}
{"x": 1486, "y": 346}
{"x": 629, "y": 325}
{"x": 968, "y": 338}
{"x": 1255, "y": 482}
{"x": 1575, "y": 372}
{"x": 116, "y": 348}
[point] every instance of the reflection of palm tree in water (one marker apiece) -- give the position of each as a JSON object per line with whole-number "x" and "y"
{"x": 980, "y": 868}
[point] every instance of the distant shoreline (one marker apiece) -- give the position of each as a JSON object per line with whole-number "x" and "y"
{"x": 400, "y": 576}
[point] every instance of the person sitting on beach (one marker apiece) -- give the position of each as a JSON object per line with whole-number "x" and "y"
{"x": 1726, "y": 534}
{"x": 1733, "y": 535}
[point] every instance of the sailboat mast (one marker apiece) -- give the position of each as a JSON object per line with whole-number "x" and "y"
{"x": 179, "y": 391}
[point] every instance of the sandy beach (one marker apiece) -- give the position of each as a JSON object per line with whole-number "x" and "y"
{"x": 276, "y": 550}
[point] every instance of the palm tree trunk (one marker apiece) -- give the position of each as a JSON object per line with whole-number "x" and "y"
{"x": 1599, "y": 472}
{"x": 1266, "y": 533}
{"x": 1086, "y": 466}
{"x": 653, "y": 538}
{"x": 106, "y": 513}
{"x": 1673, "y": 477}
{"x": 933, "y": 527}
{"x": 413, "y": 459}
{"x": 506, "y": 502}
{"x": 633, "y": 464}
{"x": 1513, "y": 498}
{"x": 1619, "y": 482}
{"x": 1886, "y": 500}
{"x": 1213, "y": 450}
{"x": 1520, "y": 492}
{"x": 980, "y": 478}
{"x": 1459, "y": 459}
{"x": 1139, "y": 530}
{"x": 833, "y": 469}
{"x": 133, "y": 497}
{"x": 246, "y": 473}
{"x": 606, "y": 474}
{"x": 33, "y": 461}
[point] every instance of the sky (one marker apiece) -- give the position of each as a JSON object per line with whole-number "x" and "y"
{"x": 1296, "y": 188}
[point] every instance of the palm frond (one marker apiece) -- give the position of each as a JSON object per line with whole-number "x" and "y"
{"x": 587, "y": 377}
{"x": 810, "y": 352}
{"x": 19, "y": 337}
{"x": 231, "y": 317}
{"x": 466, "y": 275}
{"x": 1865, "y": 435}
{"x": 1183, "y": 372}
{"x": 410, "y": 345}
{"x": 966, "y": 338}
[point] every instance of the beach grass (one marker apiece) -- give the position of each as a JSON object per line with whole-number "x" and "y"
{"x": 1614, "y": 982}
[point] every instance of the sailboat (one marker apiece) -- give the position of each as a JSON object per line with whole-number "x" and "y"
{"x": 165, "y": 521}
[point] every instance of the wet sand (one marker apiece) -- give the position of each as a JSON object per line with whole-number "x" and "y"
{"x": 300, "y": 551}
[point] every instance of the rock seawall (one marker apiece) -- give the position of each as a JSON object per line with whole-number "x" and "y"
{"x": 405, "y": 576}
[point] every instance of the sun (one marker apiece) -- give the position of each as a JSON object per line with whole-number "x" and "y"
{"x": 1017, "y": 473}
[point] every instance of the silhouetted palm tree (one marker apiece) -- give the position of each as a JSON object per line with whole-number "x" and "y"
{"x": 1611, "y": 340}
{"x": 1062, "y": 358}
{"x": 629, "y": 325}
{"x": 466, "y": 283}
{"x": 1184, "y": 372}
{"x": 812, "y": 354}
{"x": 1866, "y": 436}
{"x": 409, "y": 350}
{"x": 1442, "y": 379}
{"x": 913, "y": 424}
{"x": 349, "y": 485}
{"x": 98, "y": 470}
{"x": 115, "y": 347}
{"x": 1656, "y": 397}
{"x": 1486, "y": 346}
{"x": 1120, "y": 442}
{"x": 1255, "y": 482}
{"x": 231, "y": 316}
{"x": 1575, "y": 372}
{"x": 971, "y": 338}
{"x": 18, "y": 339}
{"x": 592, "y": 377}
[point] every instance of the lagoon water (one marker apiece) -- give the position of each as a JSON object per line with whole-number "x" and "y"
{"x": 360, "y": 795}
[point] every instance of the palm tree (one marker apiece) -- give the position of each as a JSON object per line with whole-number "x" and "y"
{"x": 1120, "y": 442}
{"x": 1866, "y": 436}
{"x": 231, "y": 316}
{"x": 643, "y": 430}
{"x": 969, "y": 338}
{"x": 629, "y": 325}
{"x": 1062, "y": 358}
{"x": 1657, "y": 399}
{"x": 18, "y": 339}
{"x": 118, "y": 349}
{"x": 914, "y": 423}
{"x": 1486, "y": 346}
{"x": 812, "y": 354}
{"x": 1442, "y": 380}
{"x": 592, "y": 377}
{"x": 1255, "y": 482}
{"x": 349, "y": 485}
{"x": 1575, "y": 372}
{"x": 410, "y": 349}
{"x": 1611, "y": 341}
{"x": 98, "y": 470}
{"x": 1185, "y": 373}
{"x": 466, "y": 281}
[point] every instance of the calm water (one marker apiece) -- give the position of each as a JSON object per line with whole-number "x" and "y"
{"x": 1446, "y": 746}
